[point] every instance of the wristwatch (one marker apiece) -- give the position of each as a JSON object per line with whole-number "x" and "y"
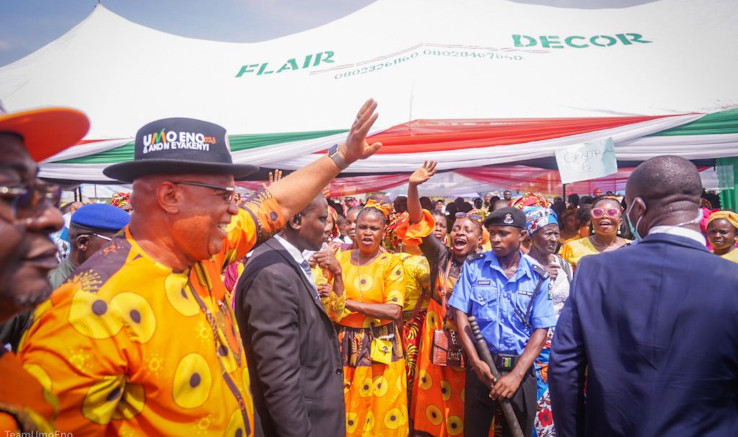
{"x": 337, "y": 158}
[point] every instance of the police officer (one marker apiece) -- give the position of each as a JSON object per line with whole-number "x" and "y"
{"x": 509, "y": 297}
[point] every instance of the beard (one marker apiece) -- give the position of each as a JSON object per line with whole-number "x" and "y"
{"x": 14, "y": 301}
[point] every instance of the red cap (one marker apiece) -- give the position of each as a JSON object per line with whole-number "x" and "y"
{"x": 46, "y": 131}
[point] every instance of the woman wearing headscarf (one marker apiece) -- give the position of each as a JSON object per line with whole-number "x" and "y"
{"x": 721, "y": 231}
{"x": 417, "y": 281}
{"x": 607, "y": 216}
{"x": 527, "y": 200}
{"x": 437, "y": 407}
{"x": 375, "y": 386}
{"x": 543, "y": 232}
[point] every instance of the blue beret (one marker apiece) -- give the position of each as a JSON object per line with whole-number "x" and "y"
{"x": 101, "y": 216}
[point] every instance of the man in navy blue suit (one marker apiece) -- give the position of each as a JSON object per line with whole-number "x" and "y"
{"x": 647, "y": 344}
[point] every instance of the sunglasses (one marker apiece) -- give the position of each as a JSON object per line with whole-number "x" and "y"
{"x": 24, "y": 199}
{"x": 610, "y": 212}
{"x": 229, "y": 193}
{"x": 475, "y": 217}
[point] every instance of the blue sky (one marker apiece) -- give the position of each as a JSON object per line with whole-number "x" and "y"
{"x": 27, "y": 25}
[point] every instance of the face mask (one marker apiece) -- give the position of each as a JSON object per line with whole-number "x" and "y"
{"x": 633, "y": 229}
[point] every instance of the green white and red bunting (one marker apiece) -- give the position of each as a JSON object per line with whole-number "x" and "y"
{"x": 455, "y": 143}
{"x": 469, "y": 83}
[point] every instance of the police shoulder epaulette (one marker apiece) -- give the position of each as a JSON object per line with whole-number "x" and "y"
{"x": 540, "y": 270}
{"x": 475, "y": 256}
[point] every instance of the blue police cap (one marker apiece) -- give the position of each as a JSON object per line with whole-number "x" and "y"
{"x": 101, "y": 216}
{"x": 508, "y": 216}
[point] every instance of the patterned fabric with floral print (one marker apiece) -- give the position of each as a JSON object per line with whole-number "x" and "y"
{"x": 133, "y": 347}
{"x": 375, "y": 392}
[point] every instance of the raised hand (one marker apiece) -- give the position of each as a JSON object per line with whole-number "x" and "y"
{"x": 356, "y": 146}
{"x": 425, "y": 172}
{"x": 273, "y": 177}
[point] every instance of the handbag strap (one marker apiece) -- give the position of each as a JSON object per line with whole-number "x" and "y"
{"x": 444, "y": 291}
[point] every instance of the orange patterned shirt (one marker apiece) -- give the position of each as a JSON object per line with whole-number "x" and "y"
{"x": 131, "y": 347}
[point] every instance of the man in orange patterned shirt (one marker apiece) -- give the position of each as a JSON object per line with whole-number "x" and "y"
{"x": 141, "y": 339}
{"x": 28, "y": 214}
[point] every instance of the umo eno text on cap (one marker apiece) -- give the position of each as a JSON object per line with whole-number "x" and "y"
{"x": 578, "y": 41}
{"x": 170, "y": 140}
{"x": 291, "y": 64}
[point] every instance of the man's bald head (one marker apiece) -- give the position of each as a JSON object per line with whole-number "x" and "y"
{"x": 669, "y": 182}
{"x": 663, "y": 191}
{"x": 318, "y": 202}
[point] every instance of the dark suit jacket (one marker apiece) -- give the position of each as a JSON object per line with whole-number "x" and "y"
{"x": 291, "y": 346}
{"x": 657, "y": 324}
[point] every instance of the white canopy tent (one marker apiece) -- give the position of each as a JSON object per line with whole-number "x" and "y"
{"x": 466, "y": 82}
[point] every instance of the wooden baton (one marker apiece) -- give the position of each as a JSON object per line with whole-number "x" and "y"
{"x": 486, "y": 356}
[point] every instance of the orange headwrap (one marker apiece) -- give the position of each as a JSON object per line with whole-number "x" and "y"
{"x": 730, "y": 216}
{"x": 382, "y": 203}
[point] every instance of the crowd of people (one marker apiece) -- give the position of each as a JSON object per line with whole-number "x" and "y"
{"x": 188, "y": 308}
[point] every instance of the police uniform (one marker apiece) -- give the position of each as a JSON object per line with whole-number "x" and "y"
{"x": 508, "y": 310}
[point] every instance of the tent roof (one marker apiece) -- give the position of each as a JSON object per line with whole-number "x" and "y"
{"x": 460, "y": 64}
{"x": 124, "y": 74}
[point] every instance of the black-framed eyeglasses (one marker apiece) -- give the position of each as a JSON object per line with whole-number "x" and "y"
{"x": 229, "y": 191}
{"x": 25, "y": 198}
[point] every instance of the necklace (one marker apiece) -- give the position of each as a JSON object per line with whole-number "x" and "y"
{"x": 599, "y": 246}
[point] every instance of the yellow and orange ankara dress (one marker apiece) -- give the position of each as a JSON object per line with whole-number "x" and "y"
{"x": 375, "y": 393}
{"x": 437, "y": 406}
{"x": 131, "y": 347}
{"x": 417, "y": 292}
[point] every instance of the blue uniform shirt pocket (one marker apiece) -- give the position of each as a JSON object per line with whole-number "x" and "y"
{"x": 484, "y": 302}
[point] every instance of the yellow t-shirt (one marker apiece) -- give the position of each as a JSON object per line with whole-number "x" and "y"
{"x": 381, "y": 281}
{"x": 131, "y": 347}
{"x": 573, "y": 251}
